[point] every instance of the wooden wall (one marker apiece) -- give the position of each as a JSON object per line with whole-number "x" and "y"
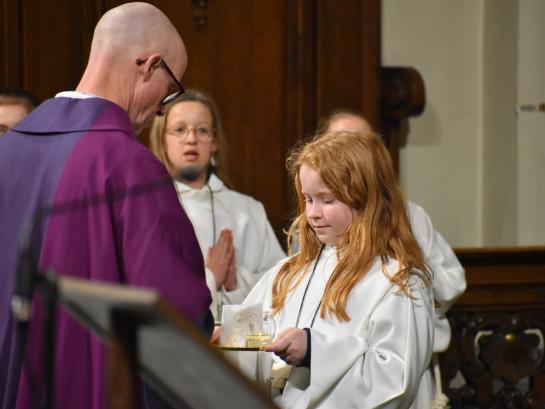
{"x": 273, "y": 66}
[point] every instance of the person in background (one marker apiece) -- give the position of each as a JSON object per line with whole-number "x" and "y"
{"x": 114, "y": 215}
{"x": 353, "y": 308}
{"x": 15, "y": 104}
{"x": 234, "y": 233}
{"x": 448, "y": 274}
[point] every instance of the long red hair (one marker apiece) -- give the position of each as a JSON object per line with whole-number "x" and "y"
{"x": 358, "y": 170}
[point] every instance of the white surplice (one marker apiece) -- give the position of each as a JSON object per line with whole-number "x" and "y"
{"x": 256, "y": 246}
{"x": 374, "y": 360}
{"x": 448, "y": 274}
{"x": 448, "y": 283}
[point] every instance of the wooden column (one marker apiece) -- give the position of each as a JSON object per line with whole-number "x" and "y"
{"x": 403, "y": 95}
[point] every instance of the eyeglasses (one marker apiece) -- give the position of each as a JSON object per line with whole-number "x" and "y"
{"x": 202, "y": 133}
{"x": 171, "y": 97}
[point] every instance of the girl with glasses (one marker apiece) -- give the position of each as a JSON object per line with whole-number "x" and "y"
{"x": 235, "y": 236}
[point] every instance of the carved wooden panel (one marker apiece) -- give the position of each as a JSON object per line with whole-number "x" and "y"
{"x": 10, "y": 67}
{"x": 45, "y": 45}
{"x": 496, "y": 358}
{"x": 348, "y": 57}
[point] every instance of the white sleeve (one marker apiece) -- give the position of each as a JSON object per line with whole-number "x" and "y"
{"x": 261, "y": 291}
{"x": 267, "y": 244}
{"x": 382, "y": 370}
{"x": 448, "y": 274}
{"x": 270, "y": 252}
{"x": 245, "y": 282}
{"x": 212, "y": 286}
{"x": 262, "y": 243}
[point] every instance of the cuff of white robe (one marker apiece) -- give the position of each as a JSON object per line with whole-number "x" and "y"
{"x": 306, "y": 360}
{"x": 231, "y": 297}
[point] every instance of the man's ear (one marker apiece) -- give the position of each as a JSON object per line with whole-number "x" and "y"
{"x": 148, "y": 65}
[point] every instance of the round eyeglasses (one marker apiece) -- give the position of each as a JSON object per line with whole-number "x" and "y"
{"x": 202, "y": 133}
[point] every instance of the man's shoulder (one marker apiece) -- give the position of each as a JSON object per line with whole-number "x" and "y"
{"x": 68, "y": 115}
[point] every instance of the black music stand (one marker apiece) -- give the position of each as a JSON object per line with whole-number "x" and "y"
{"x": 146, "y": 335}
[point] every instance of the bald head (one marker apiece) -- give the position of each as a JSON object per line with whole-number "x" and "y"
{"x": 349, "y": 123}
{"x": 125, "y": 67}
{"x": 134, "y": 30}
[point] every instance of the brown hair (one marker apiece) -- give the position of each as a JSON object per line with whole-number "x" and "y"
{"x": 17, "y": 96}
{"x": 358, "y": 171}
{"x": 157, "y": 132}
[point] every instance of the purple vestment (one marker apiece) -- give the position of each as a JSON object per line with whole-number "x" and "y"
{"x": 71, "y": 150}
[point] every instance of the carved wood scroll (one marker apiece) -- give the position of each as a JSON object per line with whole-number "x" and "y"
{"x": 402, "y": 95}
{"x": 496, "y": 357}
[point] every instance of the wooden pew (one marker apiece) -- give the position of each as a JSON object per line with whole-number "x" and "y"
{"x": 496, "y": 356}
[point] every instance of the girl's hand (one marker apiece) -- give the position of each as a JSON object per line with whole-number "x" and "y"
{"x": 220, "y": 257}
{"x": 230, "y": 283}
{"x": 215, "y": 338}
{"x": 290, "y": 345}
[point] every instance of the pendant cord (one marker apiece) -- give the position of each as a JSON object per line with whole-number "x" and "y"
{"x": 213, "y": 214}
{"x": 211, "y": 206}
{"x": 306, "y": 289}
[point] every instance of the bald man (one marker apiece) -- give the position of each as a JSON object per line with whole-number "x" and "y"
{"x": 117, "y": 217}
{"x": 448, "y": 274}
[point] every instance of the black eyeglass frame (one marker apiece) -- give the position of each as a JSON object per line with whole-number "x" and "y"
{"x": 169, "y": 98}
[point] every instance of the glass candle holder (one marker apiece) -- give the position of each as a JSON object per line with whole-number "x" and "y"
{"x": 261, "y": 337}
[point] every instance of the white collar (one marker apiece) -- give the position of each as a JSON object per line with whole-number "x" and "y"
{"x": 76, "y": 95}
{"x": 215, "y": 184}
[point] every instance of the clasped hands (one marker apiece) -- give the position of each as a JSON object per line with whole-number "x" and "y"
{"x": 221, "y": 261}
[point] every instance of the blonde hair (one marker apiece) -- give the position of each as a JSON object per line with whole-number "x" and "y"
{"x": 157, "y": 133}
{"x": 358, "y": 170}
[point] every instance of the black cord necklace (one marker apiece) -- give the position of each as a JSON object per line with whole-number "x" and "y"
{"x": 306, "y": 289}
{"x": 211, "y": 206}
{"x": 213, "y": 214}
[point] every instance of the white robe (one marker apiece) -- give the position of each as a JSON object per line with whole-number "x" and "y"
{"x": 448, "y": 274}
{"x": 256, "y": 246}
{"x": 448, "y": 284}
{"x": 374, "y": 360}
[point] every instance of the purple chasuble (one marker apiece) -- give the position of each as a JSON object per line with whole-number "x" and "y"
{"x": 70, "y": 150}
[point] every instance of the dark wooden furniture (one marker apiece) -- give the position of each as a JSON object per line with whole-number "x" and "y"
{"x": 275, "y": 67}
{"x": 496, "y": 357}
